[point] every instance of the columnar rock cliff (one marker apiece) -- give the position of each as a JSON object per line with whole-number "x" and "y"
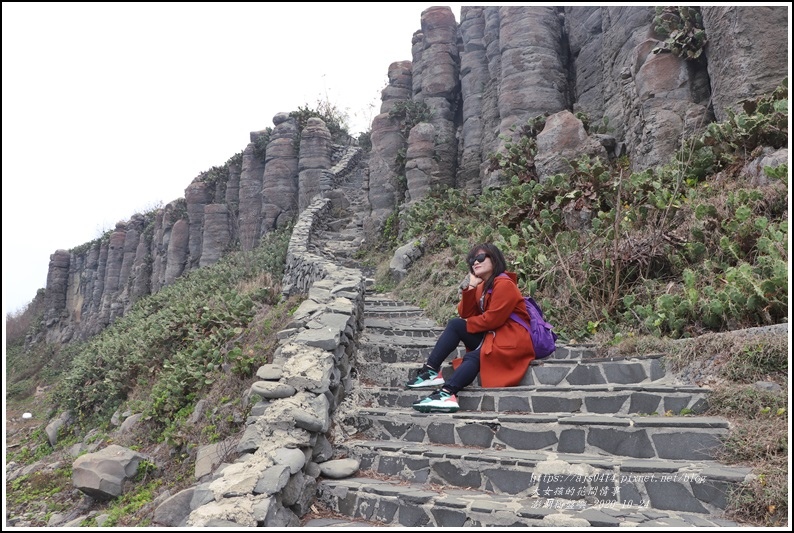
{"x": 496, "y": 69}
{"x": 607, "y": 63}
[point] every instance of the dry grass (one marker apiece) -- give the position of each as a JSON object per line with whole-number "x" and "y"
{"x": 432, "y": 284}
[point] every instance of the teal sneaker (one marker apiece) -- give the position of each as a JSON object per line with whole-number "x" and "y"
{"x": 426, "y": 377}
{"x": 440, "y": 401}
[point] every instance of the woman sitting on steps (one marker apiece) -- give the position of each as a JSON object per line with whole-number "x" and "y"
{"x": 497, "y": 348}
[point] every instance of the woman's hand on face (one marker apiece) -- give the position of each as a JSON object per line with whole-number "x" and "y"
{"x": 474, "y": 281}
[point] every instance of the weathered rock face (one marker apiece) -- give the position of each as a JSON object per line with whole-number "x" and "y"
{"x": 747, "y": 54}
{"x": 420, "y": 165}
{"x": 474, "y": 79}
{"x": 533, "y": 56}
{"x": 500, "y": 67}
{"x": 563, "y": 139}
{"x": 280, "y": 182}
{"x": 315, "y": 161}
{"x": 250, "y": 199}
{"x": 216, "y": 235}
{"x": 436, "y": 83}
{"x": 387, "y": 141}
{"x": 57, "y": 285}
{"x": 197, "y": 195}
{"x": 177, "y": 251}
{"x": 103, "y": 474}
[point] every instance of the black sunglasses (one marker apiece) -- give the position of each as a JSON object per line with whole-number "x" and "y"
{"x": 479, "y": 258}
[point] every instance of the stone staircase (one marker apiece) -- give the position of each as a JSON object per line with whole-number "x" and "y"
{"x": 583, "y": 441}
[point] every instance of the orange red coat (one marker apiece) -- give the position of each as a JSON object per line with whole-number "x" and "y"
{"x": 507, "y": 349}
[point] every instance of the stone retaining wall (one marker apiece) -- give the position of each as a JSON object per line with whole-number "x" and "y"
{"x": 285, "y": 447}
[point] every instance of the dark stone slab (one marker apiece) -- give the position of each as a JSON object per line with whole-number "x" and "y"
{"x": 571, "y": 441}
{"x": 453, "y": 475}
{"x": 396, "y": 429}
{"x": 726, "y": 473}
{"x": 676, "y": 404}
{"x": 713, "y": 492}
{"x": 630, "y": 443}
{"x": 415, "y": 497}
{"x": 605, "y": 404}
{"x": 624, "y": 372}
{"x": 586, "y": 375}
{"x": 469, "y": 403}
{"x": 416, "y": 434}
{"x": 390, "y": 465}
{"x": 441, "y": 433}
{"x": 594, "y": 420}
{"x": 403, "y": 400}
{"x": 604, "y": 487}
{"x": 385, "y": 511}
{"x": 700, "y": 406}
{"x": 526, "y": 440}
{"x": 550, "y": 404}
{"x": 347, "y": 504}
{"x": 513, "y": 403}
{"x": 529, "y": 418}
{"x": 448, "y": 517}
{"x": 682, "y": 422}
{"x": 487, "y": 403}
{"x": 412, "y": 516}
{"x": 488, "y": 506}
{"x": 510, "y": 481}
{"x": 629, "y": 494}
{"x": 365, "y": 506}
{"x": 645, "y": 403}
{"x": 549, "y": 375}
{"x": 686, "y": 445}
{"x": 630, "y": 466}
{"x": 656, "y": 369}
{"x": 478, "y": 435}
{"x": 667, "y": 493}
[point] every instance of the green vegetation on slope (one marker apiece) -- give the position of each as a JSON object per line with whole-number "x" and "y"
{"x": 678, "y": 250}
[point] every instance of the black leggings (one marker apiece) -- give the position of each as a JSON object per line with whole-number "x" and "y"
{"x": 448, "y": 342}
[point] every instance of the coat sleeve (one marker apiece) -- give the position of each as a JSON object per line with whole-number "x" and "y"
{"x": 502, "y": 303}
{"x": 467, "y": 306}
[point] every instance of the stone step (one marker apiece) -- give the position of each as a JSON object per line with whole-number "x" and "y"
{"x": 589, "y": 399}
{"x": 547, "y": 372}
{"x": 386, "y": 308}
{"x": 401, "y": 326}
{"x": 660, "y": 437}
{"x": 417, "y": 505}
{"x": 395, "y": 342}
{"x": 697, "y": 487}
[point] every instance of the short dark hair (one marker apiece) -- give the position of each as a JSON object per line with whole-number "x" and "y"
{"x": 497, "y": 259}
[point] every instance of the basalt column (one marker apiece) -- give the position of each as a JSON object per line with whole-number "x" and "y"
{"x": 280, "y": 182}
{"x": 315, "y": 160}
{"x": 387, "y": 141}
{"x": 435, "y": 57}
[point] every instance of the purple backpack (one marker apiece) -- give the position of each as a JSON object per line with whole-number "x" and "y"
{"x": 543, "y": 338}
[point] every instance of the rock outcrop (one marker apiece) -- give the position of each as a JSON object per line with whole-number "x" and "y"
{"x": 280, "y": 181}
{"x": 103, "y": 474}
{"x": 315, "y": 160}
{"x": 497, "y": 69}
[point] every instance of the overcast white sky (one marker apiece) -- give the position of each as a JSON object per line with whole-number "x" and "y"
{"x": 110, "y": 109}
